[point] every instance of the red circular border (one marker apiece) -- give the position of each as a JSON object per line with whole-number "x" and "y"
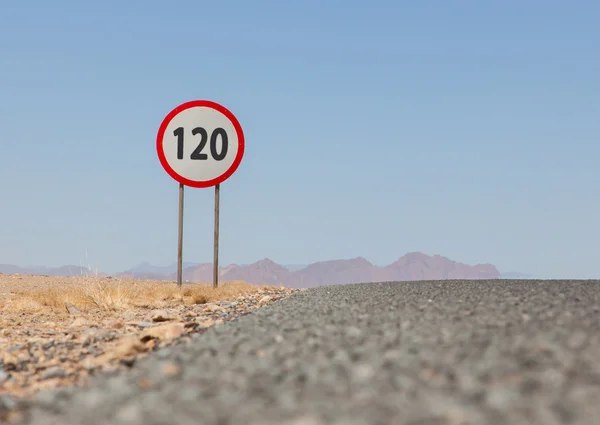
{"x": 195, "y": 183}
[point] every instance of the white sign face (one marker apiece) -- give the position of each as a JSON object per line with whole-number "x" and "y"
{"x": 200, "y": 144}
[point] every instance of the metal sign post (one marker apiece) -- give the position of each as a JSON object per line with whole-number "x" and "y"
{"x": 200, "y": 144}
{"x": 216, "y": 242}
{"x": 180, "y": 238}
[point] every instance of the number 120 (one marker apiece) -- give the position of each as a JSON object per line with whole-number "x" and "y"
{"x": 197, "y": 153}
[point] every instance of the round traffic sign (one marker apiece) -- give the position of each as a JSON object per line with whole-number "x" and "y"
{"x": 200, "y": 143}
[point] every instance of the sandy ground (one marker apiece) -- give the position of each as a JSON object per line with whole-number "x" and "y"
{"x": 57, "y": 331}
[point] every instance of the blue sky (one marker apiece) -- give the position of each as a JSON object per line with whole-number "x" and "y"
{"x": 468, "y": 129}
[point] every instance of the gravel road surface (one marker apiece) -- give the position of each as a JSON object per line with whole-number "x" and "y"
{"x": 416, "y": 353}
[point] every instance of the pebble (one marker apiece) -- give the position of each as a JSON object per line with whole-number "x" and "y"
{"x": 353, "y": 332}
{"x": 80, "y": 322}
{"x": 265, "y": 300}
{"x": 165, "y": 332}
{"x": 163, "y": 353}
{"x": 54, "y": 372}
{"x": 160, "y": 316}
{"x": 213, "y": 308}
{"x": 48, "y": 345}
{"x": 170, "y": 369}
{"x": 71, "y": 309}
{"x": 7, "y": 402}
{"x": 17, "y": 347}
{"x": 118, "y": 324}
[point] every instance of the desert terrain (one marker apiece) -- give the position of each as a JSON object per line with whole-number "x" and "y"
{"x": 57, "y": 331}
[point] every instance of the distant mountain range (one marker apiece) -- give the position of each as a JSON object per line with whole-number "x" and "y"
{"x": 49, "y": 271}
{"x": 410, "y": 267}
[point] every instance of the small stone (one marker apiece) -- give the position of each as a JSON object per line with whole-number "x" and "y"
{"x": 353, "y": 332}
{"x": 128, "y": 346}
{"x": 213, "y": 308}
{"x": 144, "y": 383}
{"x": 163, "y": 353}
{"x": 80, "y": 322}
{"x": 88, "y": 363}
{"x": 89, "y": 333}
{"x": 17, "y": 347}
{"x": 392, "y": 355}
{"x": 265, "y": 300}
{"x": 106, "y": 336}
{"x": 48, "y": 345}
{"x": 7, "y": 402}
{"x": 71, "y": 308}
{"x": 363, "y": 372}
{"x": 53, "y": 372}
{"x": 160, "y": 316}
{"x": 118, "y": 324}
{"x": 143, "y": 325}
{"x": 165, "y": 332}
{"x": 207, "y": 323}
{"x": 9, "y": 359}
{"x": 171, "y": 369}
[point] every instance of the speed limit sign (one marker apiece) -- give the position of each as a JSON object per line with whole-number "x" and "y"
{"x": 200, "y": 144}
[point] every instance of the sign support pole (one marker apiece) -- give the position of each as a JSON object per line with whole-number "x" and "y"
{"x": 200, "y": 144}
{"x": 216, "y": 242}
{"x": 180, "y": 238}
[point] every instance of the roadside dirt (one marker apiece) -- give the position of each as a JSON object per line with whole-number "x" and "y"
{"x": 57, "y": 331}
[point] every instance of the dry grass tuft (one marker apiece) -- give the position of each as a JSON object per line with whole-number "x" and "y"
{"x": 103, "y": 295}
{"x": 120, "y": 294}
{"x": 199, "y": 298}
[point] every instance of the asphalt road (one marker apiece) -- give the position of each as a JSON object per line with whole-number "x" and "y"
{"x": 418, "y": 353}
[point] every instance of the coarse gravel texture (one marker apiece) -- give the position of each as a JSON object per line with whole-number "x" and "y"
{"x": 415, "y": 353}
